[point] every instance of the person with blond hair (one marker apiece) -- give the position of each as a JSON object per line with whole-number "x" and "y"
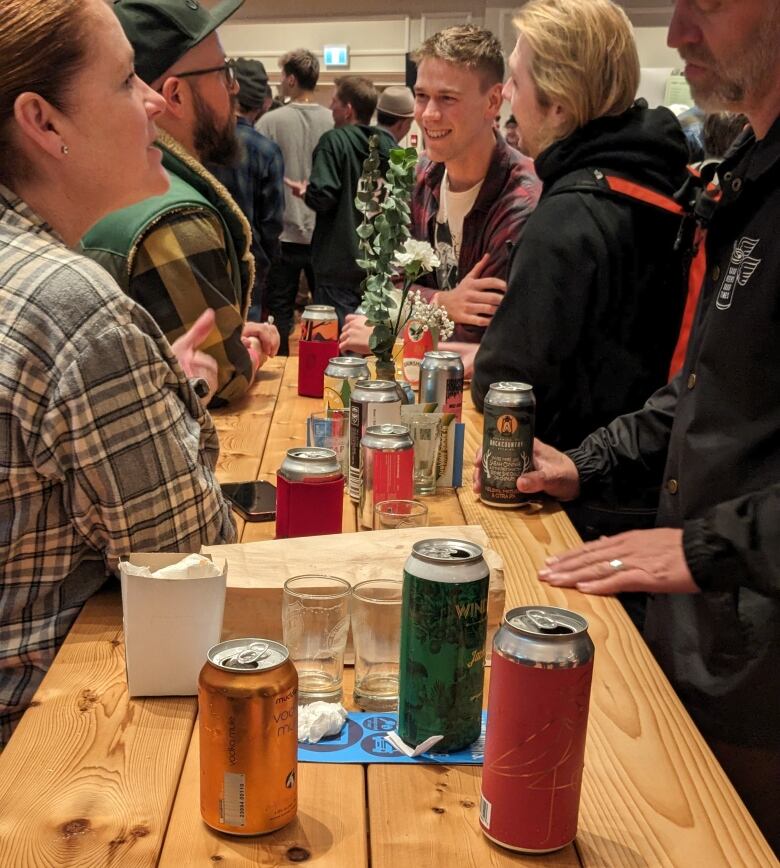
{"x": 105, "y": 445}
{"x": 595, "y": 288}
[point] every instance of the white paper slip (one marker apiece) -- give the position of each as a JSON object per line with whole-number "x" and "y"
{"x": 399, "y": 744}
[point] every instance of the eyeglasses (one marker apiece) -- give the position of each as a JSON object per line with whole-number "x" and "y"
{"x": 226, "y": 68}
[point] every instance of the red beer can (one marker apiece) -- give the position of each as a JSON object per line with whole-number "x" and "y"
{"x": 309, "y": 493}
{"x": 537, "y": 721}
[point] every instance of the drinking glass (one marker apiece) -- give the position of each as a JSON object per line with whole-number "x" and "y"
{"x": 315, "y": 623}
{"x": 392, "y": 514}
{"x": 426, "y": 433}
{"x": 376, "y": 634}
{"x": 331, "y": 431}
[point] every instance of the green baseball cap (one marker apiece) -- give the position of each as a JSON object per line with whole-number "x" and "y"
{"x": 162, "y": 31}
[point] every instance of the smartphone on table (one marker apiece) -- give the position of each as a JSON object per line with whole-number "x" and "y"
{"x": 253, "y": 501}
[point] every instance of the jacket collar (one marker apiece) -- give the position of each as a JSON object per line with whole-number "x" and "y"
{"x": 493, "y": 184}
{"x": 180, "y": 162}
{"x": 14, "y": 209}
{"x": 764, "y": 157}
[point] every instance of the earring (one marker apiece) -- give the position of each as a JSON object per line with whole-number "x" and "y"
{"x": 65, "y": 150}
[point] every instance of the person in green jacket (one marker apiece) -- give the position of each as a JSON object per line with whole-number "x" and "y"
{"x": 330, "y": 192}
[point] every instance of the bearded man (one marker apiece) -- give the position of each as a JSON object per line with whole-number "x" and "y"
{"x": 712, "y": 563}
{"x": 188, "y": 250}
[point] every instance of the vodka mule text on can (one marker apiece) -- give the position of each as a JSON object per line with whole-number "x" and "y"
{"x": 540, "y": 679}
{"x": 388, "y": 468}
{"x": 340, "y": 377}
{"x": 248, "y": 720}
{"x": 372, "y": 402}
{"x": 443, "y": 628}
{"x": 507, "y": 442}
{"x": 441, "y": 381}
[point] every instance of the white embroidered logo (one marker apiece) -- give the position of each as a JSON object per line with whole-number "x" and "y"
{"x": 740, "y": 271}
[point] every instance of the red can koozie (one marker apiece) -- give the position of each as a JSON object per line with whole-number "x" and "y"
{"x": 309, "y": 493}
{"x": 313, "y": 358}
{"x": 537, "y": 721}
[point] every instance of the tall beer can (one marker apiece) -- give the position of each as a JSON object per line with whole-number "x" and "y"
{"x": 372, "y": 402}
{"x": 340, "y": 377}
{"x": 507, "y": 442}
{"x": 441, "y": 381}
{"x": 319, "y": 343}
{"x": 309, "y": 493}
{"x": 248, "y": 722}
{"x": 388, "y": 468}
{"x": 443, "y": 628}
{"x": 540, "y": 679}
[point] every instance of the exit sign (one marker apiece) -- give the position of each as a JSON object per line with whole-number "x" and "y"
{"x": 336, "y": 56}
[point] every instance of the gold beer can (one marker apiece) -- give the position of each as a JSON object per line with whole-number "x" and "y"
{"x": 248, "y": 721}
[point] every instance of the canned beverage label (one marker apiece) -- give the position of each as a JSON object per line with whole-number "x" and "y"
{"x": 507, "y": 450}
{"x": 387, "y": 473}
{"x": 441, "y": 381}
{"x": 319, "y": 323}
{"x": 417, "y": 342}
{"x": 442, "y": 654}
{"x": 362, "y": 415}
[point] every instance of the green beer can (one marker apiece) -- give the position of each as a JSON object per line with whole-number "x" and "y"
{"x": 443, "y": 629}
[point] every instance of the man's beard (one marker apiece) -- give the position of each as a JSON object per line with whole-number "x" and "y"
{"x": 213, "y": 144}
{"x": 739, "y": 79}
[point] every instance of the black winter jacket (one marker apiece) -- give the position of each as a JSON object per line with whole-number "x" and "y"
{"x": 714, "y": 434}
{"x": 595, "y": 292}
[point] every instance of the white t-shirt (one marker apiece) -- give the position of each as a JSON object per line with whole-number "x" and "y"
{"x": 453, "y": 208}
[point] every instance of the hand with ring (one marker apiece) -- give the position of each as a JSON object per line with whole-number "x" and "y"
{"x": 639, "y": 560}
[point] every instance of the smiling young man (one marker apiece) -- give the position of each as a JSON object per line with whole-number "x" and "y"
{"x": 188, "y": 250}
{"x": 712, "y": 564}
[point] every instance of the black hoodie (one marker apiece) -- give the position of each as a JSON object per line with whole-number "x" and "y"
{"x": 595, "y": 289}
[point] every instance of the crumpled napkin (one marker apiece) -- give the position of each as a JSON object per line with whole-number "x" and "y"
{"x": 319, "y": 719}
{"x": 191, "y": 567}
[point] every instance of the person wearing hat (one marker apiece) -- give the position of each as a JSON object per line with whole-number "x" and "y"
{"x": 395, "y": 111}
{"x": 255, "y": 180}
{"x": 188, "y": 250}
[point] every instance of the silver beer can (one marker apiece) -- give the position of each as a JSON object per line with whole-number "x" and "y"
{"x": 340, "y": 377}
{"x": 372, "y": 402}
{"x": 441, "y": 381}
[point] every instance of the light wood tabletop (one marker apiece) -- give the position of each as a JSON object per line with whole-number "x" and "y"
{"x": 93, "y": 778}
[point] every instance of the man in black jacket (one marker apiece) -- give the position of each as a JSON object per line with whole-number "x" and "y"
{"x": 713, "y": 562}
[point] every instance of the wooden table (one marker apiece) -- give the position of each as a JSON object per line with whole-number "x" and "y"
{"x": 92, "y": 778}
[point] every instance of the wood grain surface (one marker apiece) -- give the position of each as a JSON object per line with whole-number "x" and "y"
{"x": 89, "y": 777}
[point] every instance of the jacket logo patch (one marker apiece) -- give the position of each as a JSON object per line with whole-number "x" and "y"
{"x": 740, "y": 271}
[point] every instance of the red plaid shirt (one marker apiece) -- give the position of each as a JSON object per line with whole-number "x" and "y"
{"x": 508, "y": 195}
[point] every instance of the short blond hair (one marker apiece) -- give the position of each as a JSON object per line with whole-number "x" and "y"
{"x": 469, "y": 46}
{"x": 584, "y": 57}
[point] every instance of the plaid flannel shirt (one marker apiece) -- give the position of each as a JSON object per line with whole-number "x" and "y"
{"x": 104, "y": 446}
{"x": 494, "y": 225}
{"x": 257, "y": 185}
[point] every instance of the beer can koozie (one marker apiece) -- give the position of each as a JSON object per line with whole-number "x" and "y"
{"x": 540, "y": 679}
{"x": 309, "y": 493}
{"x": 443, "y": 629}
{"x": 340, "y": 376}
{"x": 248, "y": 723}
{"x": 372, "y": 402}
{"x": 388, "y": 468}
{"x": 507, "y": 442}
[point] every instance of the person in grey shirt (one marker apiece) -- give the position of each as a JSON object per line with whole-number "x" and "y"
{"x": 296, "y": 128}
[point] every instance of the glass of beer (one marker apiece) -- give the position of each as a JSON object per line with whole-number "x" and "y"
{"x": 315, "y": 623}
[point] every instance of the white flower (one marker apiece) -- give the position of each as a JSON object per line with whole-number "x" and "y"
{"x": 417, "y": 253}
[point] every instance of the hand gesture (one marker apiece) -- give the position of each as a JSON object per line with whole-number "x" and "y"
{"x": 297, "y": 188}
{"x": 261, "y": 340}
{"x": 640, "y": 560}
{"x": 195, "y": 363}
{"x": 472, "y": 302}
{"x": 355, "y": 334}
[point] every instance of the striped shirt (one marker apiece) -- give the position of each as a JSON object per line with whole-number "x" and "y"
{"x": 104, "y": 446}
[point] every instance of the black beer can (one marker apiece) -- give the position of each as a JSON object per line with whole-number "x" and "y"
{"x": 507, "y": 442}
